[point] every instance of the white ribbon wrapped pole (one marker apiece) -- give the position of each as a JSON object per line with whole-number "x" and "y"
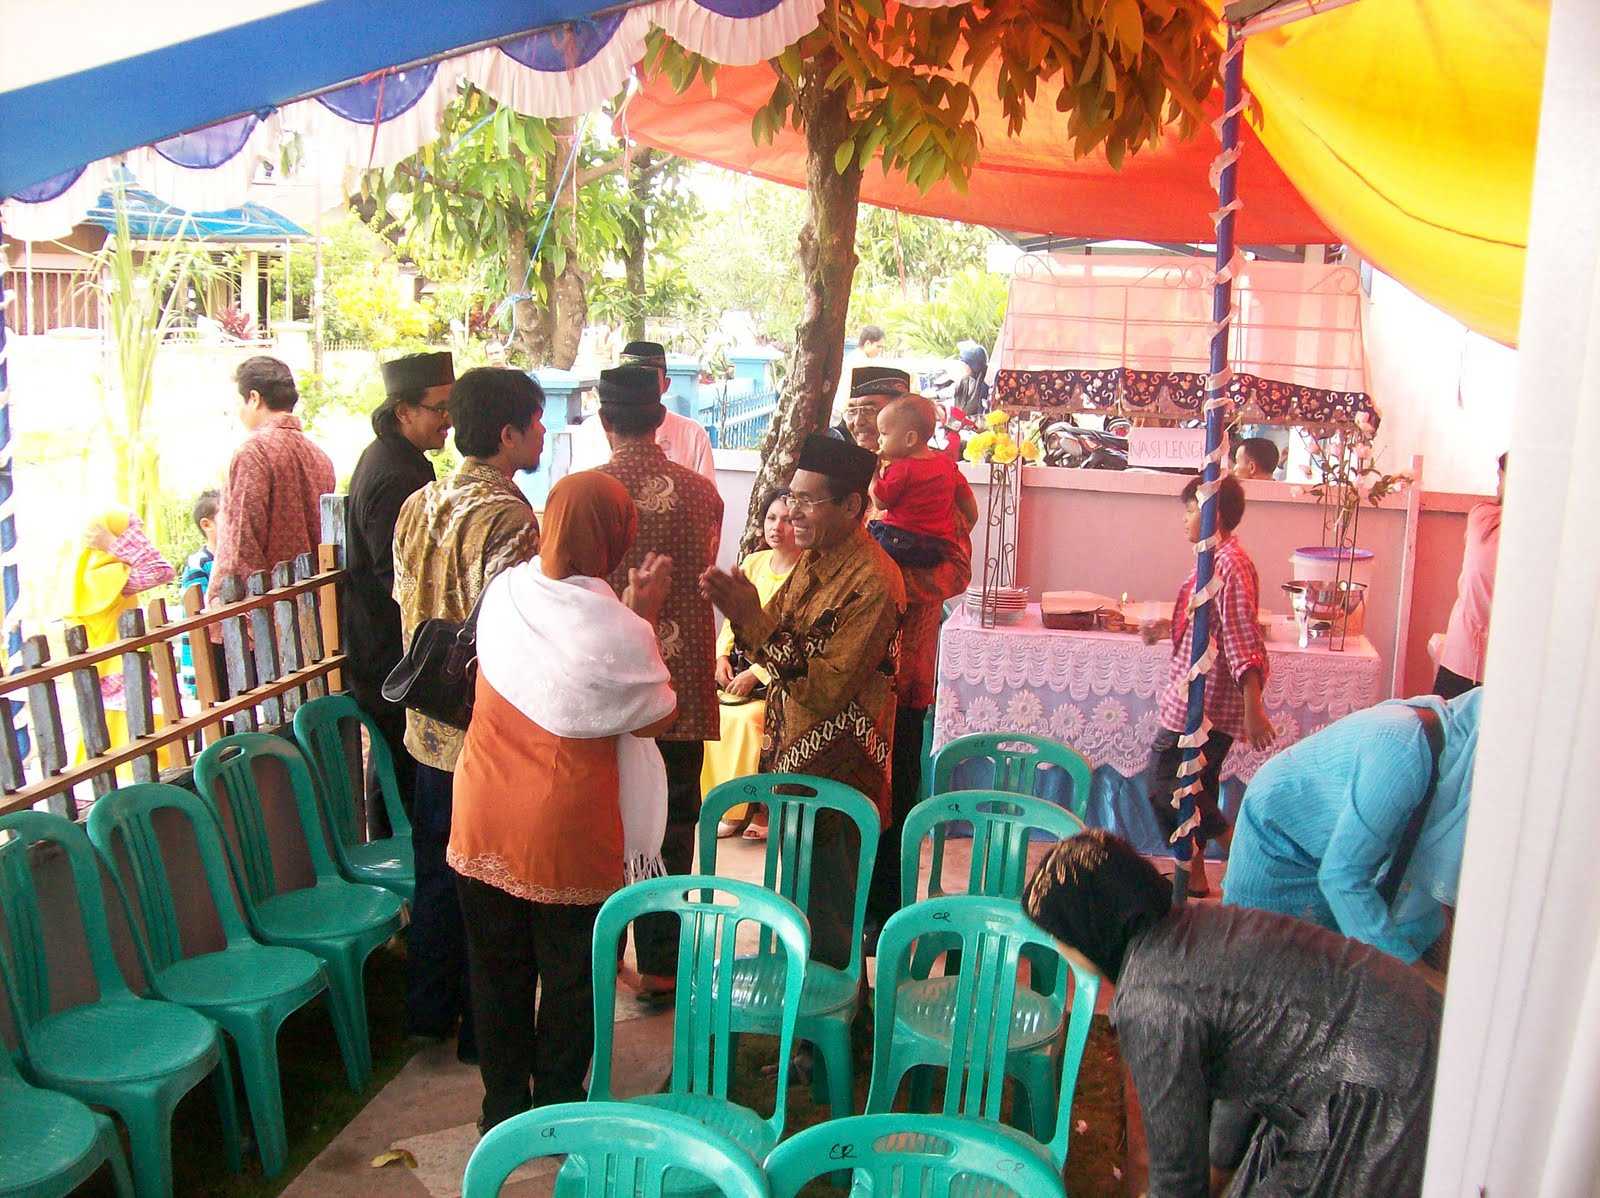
{"x": 1224, "y": 178}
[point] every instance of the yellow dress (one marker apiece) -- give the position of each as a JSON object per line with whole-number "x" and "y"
{"x": 738, "y": 753}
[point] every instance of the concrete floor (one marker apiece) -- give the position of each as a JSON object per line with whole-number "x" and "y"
{"x": 430, "y": 1108}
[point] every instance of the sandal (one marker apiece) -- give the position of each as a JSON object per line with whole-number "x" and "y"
{"x": 756, "y": 832}
{"x": 728, "y": 828}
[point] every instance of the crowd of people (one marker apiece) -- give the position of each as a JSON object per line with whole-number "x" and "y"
{"x": 1284, "y": 1039}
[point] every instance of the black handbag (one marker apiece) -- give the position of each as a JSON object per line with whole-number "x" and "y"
{"x": 439, "y": 671}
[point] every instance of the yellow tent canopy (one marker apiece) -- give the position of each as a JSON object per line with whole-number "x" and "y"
{"x": 1409, "y": 127}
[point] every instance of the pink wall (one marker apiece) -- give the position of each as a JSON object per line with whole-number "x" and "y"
{"x": 1111, "y": 532}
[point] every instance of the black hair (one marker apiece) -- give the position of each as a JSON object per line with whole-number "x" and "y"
{"x": 772, "y": 497}
{"x": 1095, "y": 893}
{"x": 1230, "y": 499}
{"x": 270, "y": 379}
{"x": 632, "y": 420}
{"x": 1260, "y": 451}
{"x": 487, "y": 399}
{"x": 385, "y": 419}
{"x": 869, "y": 332}
{"x": 205, "y": 507}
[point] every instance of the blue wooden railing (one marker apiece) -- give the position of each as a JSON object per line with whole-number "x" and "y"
{"x": 735, "y": 414}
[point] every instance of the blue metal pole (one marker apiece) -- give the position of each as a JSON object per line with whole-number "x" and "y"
{"x": 1196, "y": 728}
{"x": 9, "y": 583}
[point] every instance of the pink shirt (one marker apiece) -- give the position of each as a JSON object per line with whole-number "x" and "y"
{"x": 1466, "y": 638}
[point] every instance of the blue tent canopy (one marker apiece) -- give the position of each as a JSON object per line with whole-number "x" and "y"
{"x": 150, "y": 219}
{"x": 57, "y": 119}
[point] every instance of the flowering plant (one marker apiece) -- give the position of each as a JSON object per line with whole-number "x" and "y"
{"x": 997, "y": 445}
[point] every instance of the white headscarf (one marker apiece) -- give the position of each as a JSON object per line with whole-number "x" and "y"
{"x": 572, "y": 658}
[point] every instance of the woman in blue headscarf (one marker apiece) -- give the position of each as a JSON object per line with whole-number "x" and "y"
{"x": 1322, "y": 820}
{"x": 972, "y": 393}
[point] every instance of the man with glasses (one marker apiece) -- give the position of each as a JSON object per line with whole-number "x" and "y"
{"x": 827, "y": 637}
{"x": 412, "y": 422}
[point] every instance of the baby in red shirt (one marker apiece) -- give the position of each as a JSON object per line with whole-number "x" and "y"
{"x": 918, "y": 489}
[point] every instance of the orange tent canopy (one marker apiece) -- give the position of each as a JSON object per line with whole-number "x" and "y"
{"x": 1027, "y": 184}
{"x": 1404, "y": 128}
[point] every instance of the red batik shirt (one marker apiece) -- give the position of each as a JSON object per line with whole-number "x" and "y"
{"x": 272, "y": 504}
{"x": 1236, "y": 626}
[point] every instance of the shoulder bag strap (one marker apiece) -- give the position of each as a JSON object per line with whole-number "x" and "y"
{"x": 1433, "y": 728}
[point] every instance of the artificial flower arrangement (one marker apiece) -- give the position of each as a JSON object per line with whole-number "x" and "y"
{"x": 996, "y": 444}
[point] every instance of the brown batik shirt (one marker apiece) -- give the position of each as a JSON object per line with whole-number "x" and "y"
{"x": 680, "y": 515}
{"x": 453, "y": 536}
{"x": 829, "y": 638}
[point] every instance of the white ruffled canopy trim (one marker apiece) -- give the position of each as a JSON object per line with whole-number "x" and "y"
{"x": 737, "y": 41}
{"x": 562, "y": 93}
{"x": 55, "y": 218}
{"x": 335, "y": 151}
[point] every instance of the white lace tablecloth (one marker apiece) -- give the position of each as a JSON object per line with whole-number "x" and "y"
{"x": 1099, "y": 691}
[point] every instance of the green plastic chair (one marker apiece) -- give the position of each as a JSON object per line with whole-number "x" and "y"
{"x": 710, "y": 911}
{"x": 619, "y": 1149}
{"x": 135, "y": 1056}
{"x": 341, "y": 922}
{"x": 913, "y": 1156}
{"x": 319, "y": 727}
{"x": 50, "y": 1143}
{"x": 832, "y": 996}
{"x": 246, "y": 987}
{"x": 1014, "y": 759}
{"x": 1002, "y": 825}
{"x": 950, "y": 1022}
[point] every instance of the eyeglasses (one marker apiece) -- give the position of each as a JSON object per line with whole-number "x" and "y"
{"x": 802, "y": 503}
{"x": 440, "y": 409}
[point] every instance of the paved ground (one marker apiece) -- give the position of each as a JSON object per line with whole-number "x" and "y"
{"x": 430, "y": 1108}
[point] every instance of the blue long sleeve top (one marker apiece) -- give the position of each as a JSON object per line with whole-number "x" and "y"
{"x": 1322, "y": 820}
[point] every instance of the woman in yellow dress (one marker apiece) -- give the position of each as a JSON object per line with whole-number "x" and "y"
{"x": 104, "y": 577}
{"x": 743, "y": 685}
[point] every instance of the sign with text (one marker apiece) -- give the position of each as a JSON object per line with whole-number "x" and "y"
{"x": 1182, "y": 447}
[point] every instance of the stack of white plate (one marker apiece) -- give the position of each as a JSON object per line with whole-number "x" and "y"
{"x": 1009, "y": 603}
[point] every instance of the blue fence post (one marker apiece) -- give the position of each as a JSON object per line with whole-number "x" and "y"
{"x": 683, "y": 383}
{"x": 563, "y": 412}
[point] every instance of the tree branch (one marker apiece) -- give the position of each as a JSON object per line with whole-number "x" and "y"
{"x": 449, "y": 185}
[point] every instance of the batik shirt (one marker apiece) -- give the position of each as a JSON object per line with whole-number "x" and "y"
{"x": 452, "y": 537}
{"x": 828, "y": 638}
{"x": 272, "y": 505}
{"x": 680, "y": 515}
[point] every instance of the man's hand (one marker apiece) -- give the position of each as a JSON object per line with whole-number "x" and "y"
{"x": 741, "y": 686}
{"x": 648, "y": 584}
{"x": 734, "y": 594}
{"x": 723, "y": 673}
{"x": 1258, "y": 729}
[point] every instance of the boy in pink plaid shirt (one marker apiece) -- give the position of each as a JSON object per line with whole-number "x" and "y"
{"x": 1234, "y": 685}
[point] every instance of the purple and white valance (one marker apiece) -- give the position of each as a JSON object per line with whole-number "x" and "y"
{"x": 740, "y": 33}
{"x": 565, "y": 71}
{"x": 375, "y": 121}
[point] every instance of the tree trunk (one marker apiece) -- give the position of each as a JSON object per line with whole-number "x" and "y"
{"x": 827, "y": 267}
{"x": 527, "y": 332}
{"x": 634, "y": 253}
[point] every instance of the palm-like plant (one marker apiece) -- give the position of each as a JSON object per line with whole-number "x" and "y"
{"x": 142, "y": 290}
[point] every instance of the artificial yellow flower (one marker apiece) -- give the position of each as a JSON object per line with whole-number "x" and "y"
{"x": 1031, "y": 450}
{"x": 978, "y": 447}
{"x": 997, "y": 419}
{"x": 1005, "y": 453}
